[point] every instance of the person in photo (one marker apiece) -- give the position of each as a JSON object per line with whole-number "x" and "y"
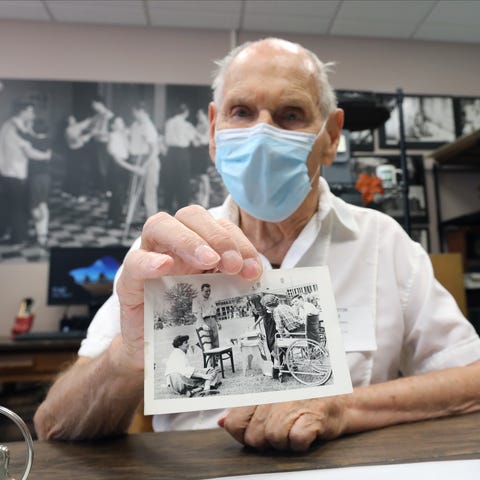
{"x": 205, "y": 310}
{"x": 185, "y": 379}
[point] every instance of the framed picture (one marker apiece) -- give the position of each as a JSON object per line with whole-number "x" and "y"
{"x": 429, "y": 122}
{"x": 391, "y": 201}
{"x": 467, "y": 115}
{"x": 361, "y": 109}
{"x": 422, "y": 236}
{"x": 361, "y": 141}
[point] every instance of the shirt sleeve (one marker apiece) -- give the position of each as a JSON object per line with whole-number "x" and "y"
{"x": 105, "y": 326}
{"x": 438, "y": 336}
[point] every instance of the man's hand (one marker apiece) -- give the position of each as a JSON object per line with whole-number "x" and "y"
{"x": 190, "y": 242}
{"x": 287, "y": 426}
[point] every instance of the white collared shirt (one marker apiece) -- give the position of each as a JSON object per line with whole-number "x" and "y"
{"x": 374, "y": 265}
{"x": 177, "y": 362}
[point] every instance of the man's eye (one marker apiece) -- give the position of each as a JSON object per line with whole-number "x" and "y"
{"x": 291, "y": 116}
{"x": 240, "y": 112}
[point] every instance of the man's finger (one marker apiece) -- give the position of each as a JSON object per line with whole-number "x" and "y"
{"x": 137, "y": 267}
{"x": 252, "y": 265}
{"x": 236, "y": 421}
{"x": 223, "y": 236}
{"x": 163, "y": 233}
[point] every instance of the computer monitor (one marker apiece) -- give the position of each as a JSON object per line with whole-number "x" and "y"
{"x": 83, "y": 275}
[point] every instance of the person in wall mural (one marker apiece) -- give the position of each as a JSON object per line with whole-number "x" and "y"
{"x": 180, "y": 134}
{"x": 39, "y": 179}
{"x": 77, "y": 171}
{"x": 201, "y": 160}
{"x": 118, "y": 147}
{"x": 99, "y": 134}
{"x": 15, "y": 152}
{"x": 144, "y": 147}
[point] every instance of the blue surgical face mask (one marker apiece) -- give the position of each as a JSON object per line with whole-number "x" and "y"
{"x": 265, "y": 168}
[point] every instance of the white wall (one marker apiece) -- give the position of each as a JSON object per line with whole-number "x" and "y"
{"x": 39, "y": 50}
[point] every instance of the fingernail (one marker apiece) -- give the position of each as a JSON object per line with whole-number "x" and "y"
{"x": 252, "y": 268}
{"x": 232, "y": 261}
{"x": 221, "y": 420}
{"x": 206, "y": 255}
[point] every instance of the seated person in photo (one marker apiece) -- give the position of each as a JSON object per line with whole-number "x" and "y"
{"x": 182, "y": 377}
{"x": 287, "y": 323}
{"x": 309, "y": 314}
{"x": 280, "y": 213}
{"x": 286, "y": 319}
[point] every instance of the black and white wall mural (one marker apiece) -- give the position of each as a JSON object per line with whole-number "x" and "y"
{"x": 85, "y": 163}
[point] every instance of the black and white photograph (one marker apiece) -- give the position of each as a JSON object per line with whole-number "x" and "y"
{"x": 429, "y": 122}
{"x": 362, "y": 141}
{"x": 216, "y": 341}
{"x": 388, "y": 169}
{"x": 85, "y": 163}
{"x": 467, "y": 115}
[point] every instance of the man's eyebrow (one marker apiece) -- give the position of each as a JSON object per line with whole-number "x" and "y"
{"x": 238, "y": 99}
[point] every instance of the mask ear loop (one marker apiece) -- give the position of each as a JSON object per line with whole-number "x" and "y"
{"x": 317, "y": 171}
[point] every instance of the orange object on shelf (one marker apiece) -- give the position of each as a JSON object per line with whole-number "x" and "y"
{"x": 368, "y": 186}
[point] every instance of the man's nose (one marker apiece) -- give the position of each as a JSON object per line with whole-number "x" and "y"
{"x": 265, "y": 116}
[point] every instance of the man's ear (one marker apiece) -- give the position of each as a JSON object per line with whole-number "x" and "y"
{"x": 212, "y": 113}
{"x": 334, "y": 131}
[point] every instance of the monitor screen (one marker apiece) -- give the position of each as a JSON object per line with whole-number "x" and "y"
{"x": 83, "y": 275}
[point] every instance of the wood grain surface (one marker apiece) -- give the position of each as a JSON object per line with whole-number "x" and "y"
{"x": 206, "y": 454}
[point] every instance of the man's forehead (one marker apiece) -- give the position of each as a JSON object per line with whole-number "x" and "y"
{"x": 296, "y": 69}
{"x": 278, "y": 51}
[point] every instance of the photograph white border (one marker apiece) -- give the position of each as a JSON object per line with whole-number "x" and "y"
{"x": 225, "y": 287}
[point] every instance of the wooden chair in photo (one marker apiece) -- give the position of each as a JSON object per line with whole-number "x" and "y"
{"x": 213, "y": 356}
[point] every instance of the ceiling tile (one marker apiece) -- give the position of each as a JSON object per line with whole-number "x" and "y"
{"x": 213, "y": 14}
{"x": 25, "y": 10}
{"x": 277, "y": 23}
{"x": 373, "y": 10}
{"x": 455, "y": 13}
{"x": 311, "y": 17}
{"x": 324, "y": 8}
{"x": 449, "y": 33}
{"x": 119, "y": 12}
{"x": 369, "y": 28}
{"x": 452, "y": 21}
{"x": 392, "y": 19}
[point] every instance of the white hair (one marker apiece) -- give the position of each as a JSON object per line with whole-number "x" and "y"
{"x": 326, "y": 94}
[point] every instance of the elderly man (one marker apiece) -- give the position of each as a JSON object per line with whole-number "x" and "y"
{"x": 273, "y": 123}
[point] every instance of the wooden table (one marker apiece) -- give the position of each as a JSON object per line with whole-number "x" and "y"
{"x": 206, "y": 454}
{"x": 35, "y": 361}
